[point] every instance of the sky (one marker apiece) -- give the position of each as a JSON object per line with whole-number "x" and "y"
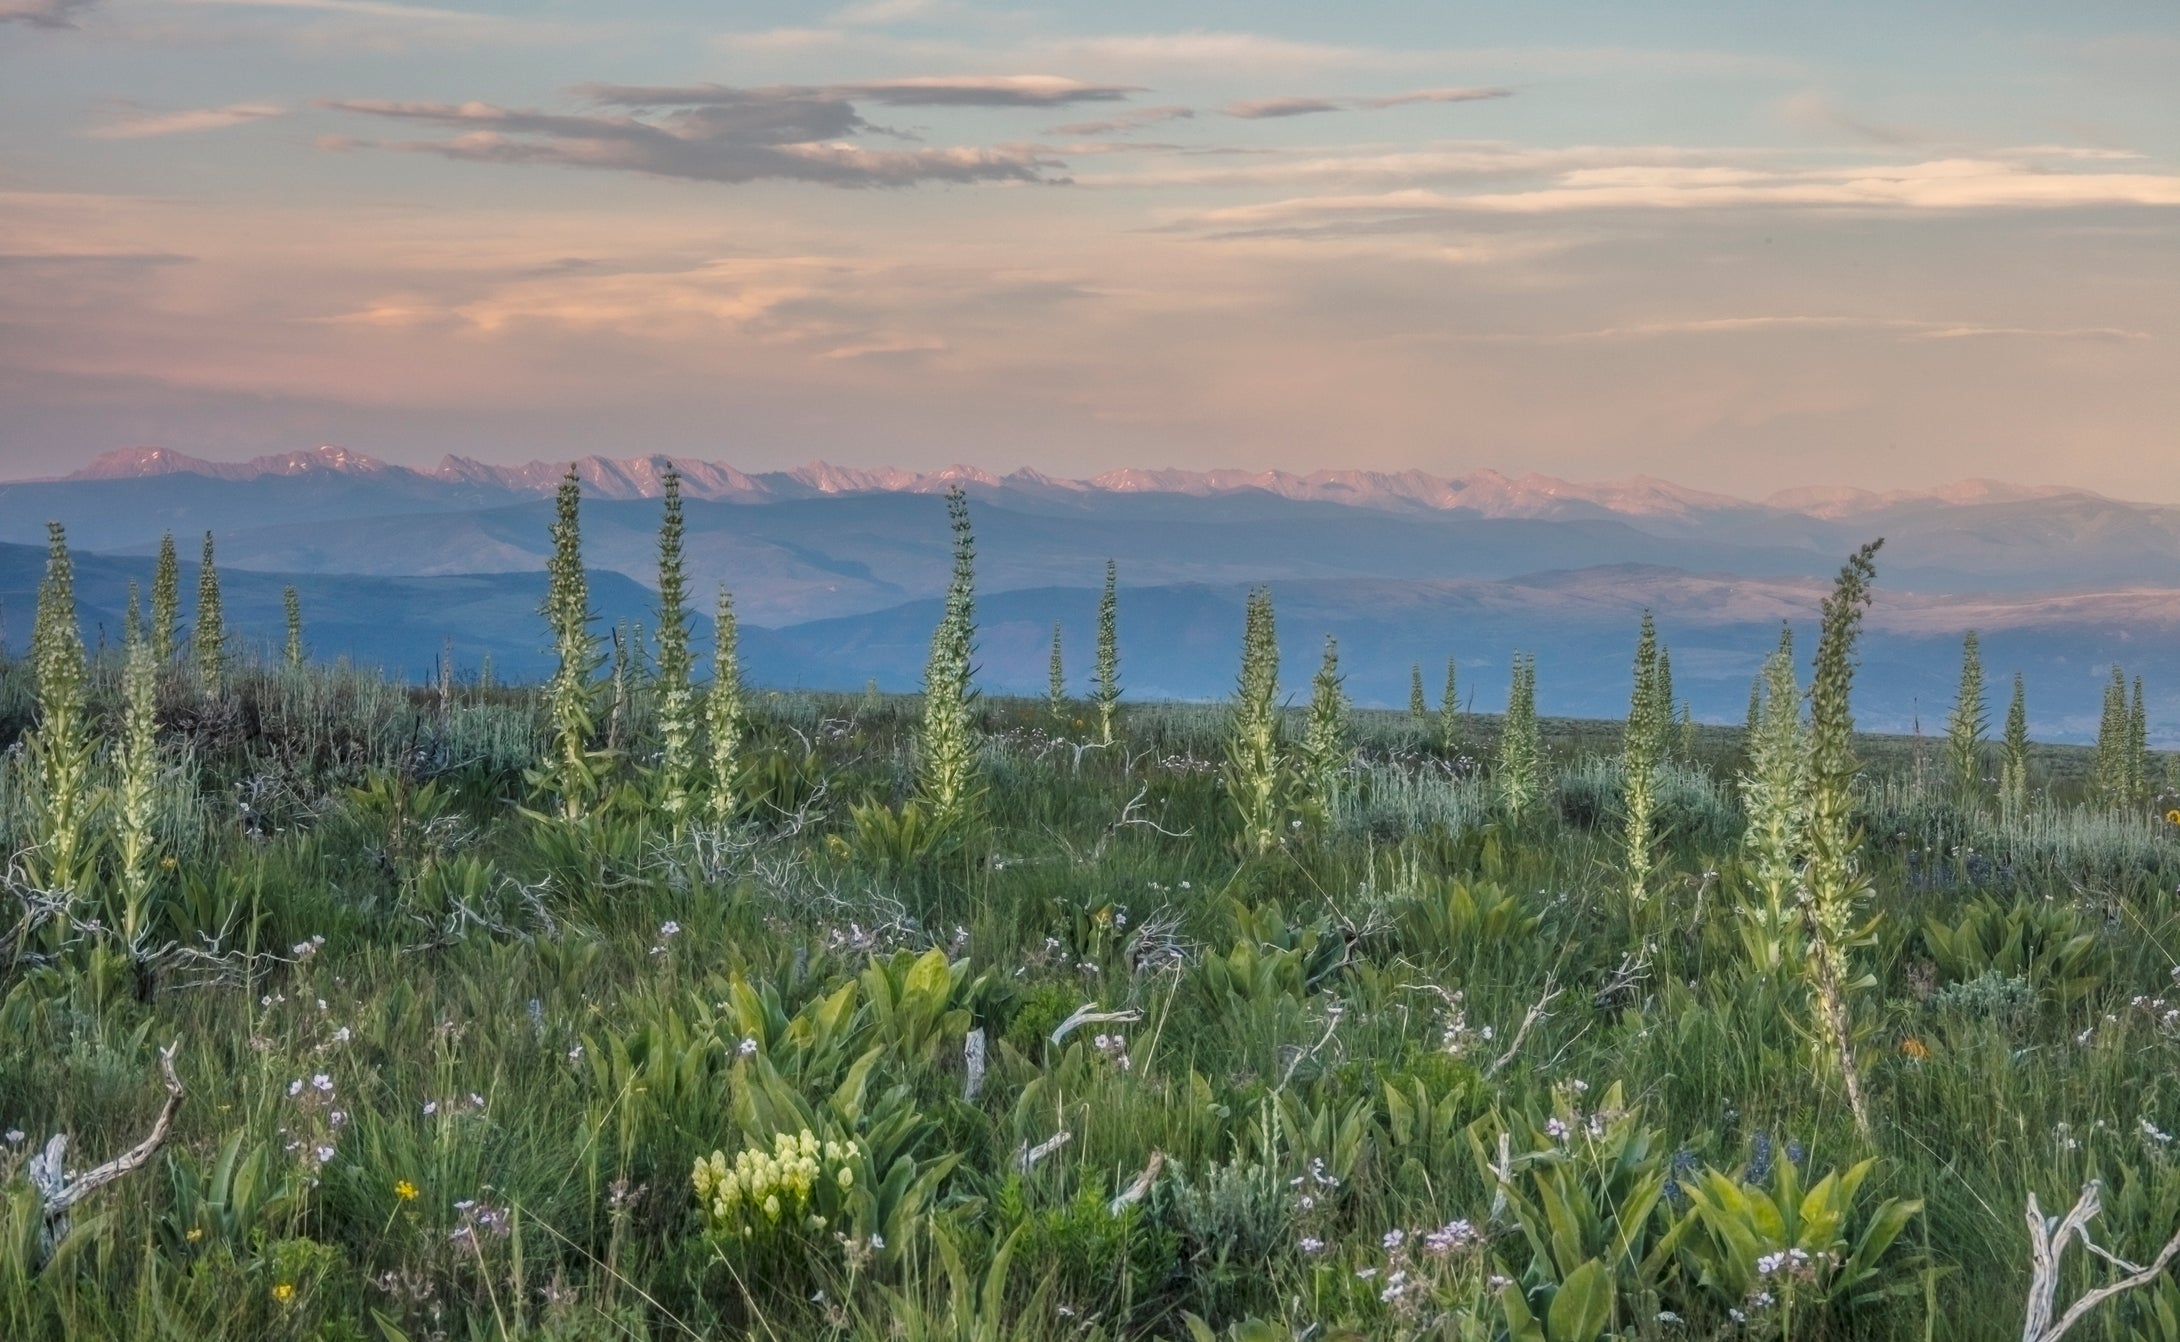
{"x": 1740, "y": 246}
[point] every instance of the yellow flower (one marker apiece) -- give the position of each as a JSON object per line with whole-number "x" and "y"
{"x": 405, "y": 1190}
{"x": 1914, "y": 1049}
{"x": 284, "y": 1292}
{"x": 169, "y": 862}
{"x": 195, "y": 1233}
{"x": 2172, "y": 817}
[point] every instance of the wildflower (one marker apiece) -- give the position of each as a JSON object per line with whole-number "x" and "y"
{"x": 322, "y": 1083}
{"x": 430, "y": 1107}
{"x": 342, "y": 1035}
{"x": 747, "y": 1046}
{"x": 324, "y": 1154}
{"x": 283, "y": 1293}
{"x": 1394, "y": 1239}
{"x": 195, "y": 1234}
{"x": 1555, "y": 1129}
{"x": 1914, "y": 1050}
{"x": 15, "y": 1136}
{"x": 1311, "y": 1246}
{"x": 669, "y": 928}
{"x": 169, "y": 862}
{"x": 1366, "y": 1274}
{"x": 405, "y": 1190}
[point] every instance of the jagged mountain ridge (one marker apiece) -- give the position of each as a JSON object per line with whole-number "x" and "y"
{"x": 1486, "y": 492}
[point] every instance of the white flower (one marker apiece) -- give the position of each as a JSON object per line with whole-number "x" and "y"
{"x": 324, "y": 1154}
{"x": 669, "y": 928}
{"x": 1394, "y": 1239}
{"x": 430, "y": 1107}
{"x": 15, "y": 1136}
{"x": 295, "y": 1087}
{"x": 322, "y": 1083}
{"x": 1311, "y": 1246}
{"x": 1555, "y": 1129}
{"x": 747, "y": 1046}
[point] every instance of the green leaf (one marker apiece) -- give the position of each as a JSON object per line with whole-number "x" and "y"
{"x": 1583, "y": 1306}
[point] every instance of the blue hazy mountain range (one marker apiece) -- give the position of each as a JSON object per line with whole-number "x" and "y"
{"x": 837, "y": 573}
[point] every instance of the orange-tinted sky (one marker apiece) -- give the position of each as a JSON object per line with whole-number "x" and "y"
{"x": 1742, "y": 247}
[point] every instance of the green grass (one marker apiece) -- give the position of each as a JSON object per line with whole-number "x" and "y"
{"x": 512, "y": 1037}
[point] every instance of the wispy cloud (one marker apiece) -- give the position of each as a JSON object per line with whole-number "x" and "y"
{"x": 1255, "y": 109}
{"x": 1935, "y": 185}
{"x": 1258, "y": 109}
{"x": 1453, "y": 95}
{"x": 731, "y": 135}
{"x": 938, "y": 91}
{"x": 181, "y": 123}
{"x": 1126, "y": 121}
{"x": 1903, "y": 327}
{"x": 43, "y": 13}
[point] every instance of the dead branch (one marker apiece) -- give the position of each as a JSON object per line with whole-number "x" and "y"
{"x": 2047, "y": 1243}
{"x": 48, "y": 1171}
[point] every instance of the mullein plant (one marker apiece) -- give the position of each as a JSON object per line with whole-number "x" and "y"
{"x": 1834, "y": 886}
{"x": 2013, "y": 752}
{"x": 1967, "y": 725}
{"x": 1663, "y": 689}
{"x": 132, "y": 617}
{"x": 1254, "y": 772}
{"x": 63, "y": 746}
{"x": 726, "y": 714}
{"x": 1324, "y": 741}
{"x": 1419, "y": 707}
{"x": 1775, "y": 797}
{"x": 209, "y": 636}
{"x": 166, "y": 601}
{"x": 1521, "y": 756}
{"x": 675, "y": 696}
{"x": 1108, "y": 668}
{"x": 574, "y": 776}
{"x": 2108, "y": 775}
{"x": 947, "y": 754}
{"x": 1056, "y": 680}
{"x": 2138, "y": 750}
{"x": 136, "y": 803}
{"x": 294, "y": 603}
{"x": 1641, "y": 750}
{"x": 1449, "y": 713}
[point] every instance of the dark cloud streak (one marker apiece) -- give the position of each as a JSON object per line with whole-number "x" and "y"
{"x": 772, "y": 136}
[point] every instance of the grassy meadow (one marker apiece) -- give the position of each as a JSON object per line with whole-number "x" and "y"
{"x": 478, "y": 1039}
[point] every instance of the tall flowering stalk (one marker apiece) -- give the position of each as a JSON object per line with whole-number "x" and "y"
{"x": 2108, "y": 778}
{"x": 574, "y": 774}
{"x": 677, "y": 708}
{"x": 1108, "y": 666}
{"x": 1775, "y": 796}
{"x": 725, "y": 713}
{"x": 1056, "y": 680}
{"x": 1449, "y": 712}
{"x": 136, "y": 803}
{"x": 2013, "y": 751}
{"x": 1253, "y": 773}
{"x": 166, "y": 601}
{"x": 948, "y": 756}
{"x": 1324, "y": 742}
{"x": 1521, "y": 755}
{"x": 1966, "y": 726}
{"x": 1419, "y": 707}
{"x": 1834, "y": 887}
{"x": 294, "y": 603}
{"x": 209, "y": 637}
{"x": 1641, "y": 747}
{"x": 63, "y": 745}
